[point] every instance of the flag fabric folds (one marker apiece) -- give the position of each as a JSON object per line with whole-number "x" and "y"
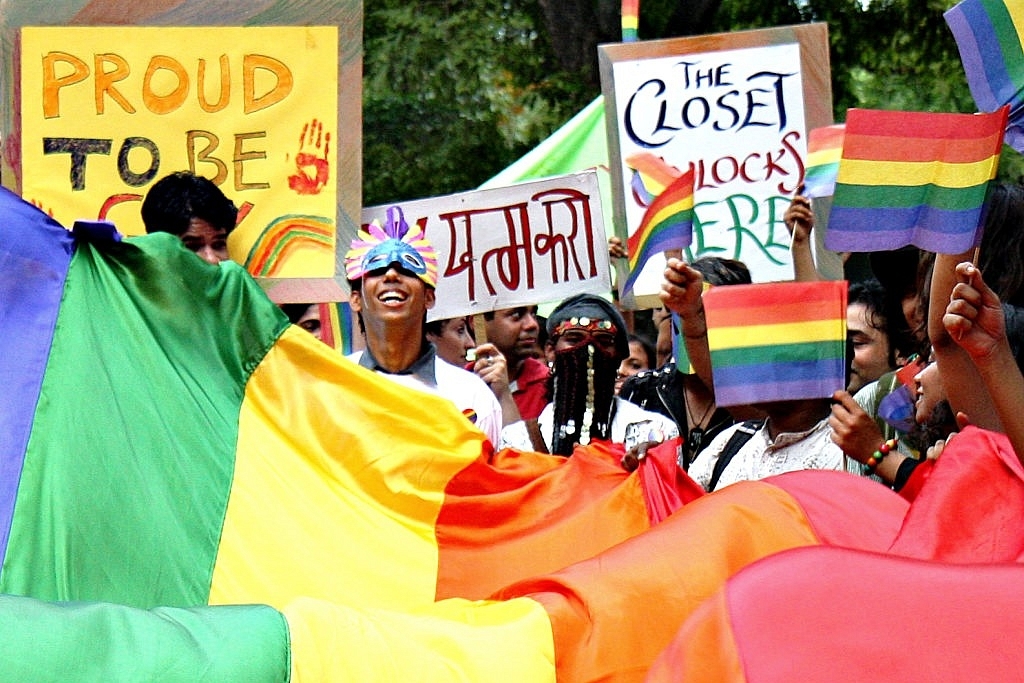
{"x": 776, "y": 341}
{"x": 173, "y": 442}
{"x": 667, "y": 224}
{"x": 951, "y": 572}
{"x": 988, "y": 36}
{"x": 193, "y": 489}
{"x": 913, "y": 178}
{"x": 824, "y": 148}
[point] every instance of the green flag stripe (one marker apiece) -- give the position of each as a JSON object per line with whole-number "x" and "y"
{"x": 84, "y": 488}
{"x": 778, "y": 353}
{"x": 899, "y": 196}
{"x": 45, "y": 641}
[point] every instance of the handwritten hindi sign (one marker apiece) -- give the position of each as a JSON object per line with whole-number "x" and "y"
{"x": 735, "y": 107}
{"x": 523, "y": 244}
{"x": 107, "y": 111}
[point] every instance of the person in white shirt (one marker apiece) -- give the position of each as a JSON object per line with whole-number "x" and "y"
{"x": 392, "y": 271}
{"x": 795, "y": 436}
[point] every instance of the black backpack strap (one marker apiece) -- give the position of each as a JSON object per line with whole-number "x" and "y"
{"x": 743, "y": 433}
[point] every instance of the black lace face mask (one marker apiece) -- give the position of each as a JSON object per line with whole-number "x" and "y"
{"x": 583, "y": 391}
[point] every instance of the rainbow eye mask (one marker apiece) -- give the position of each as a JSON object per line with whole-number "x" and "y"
{"x": 377, "y": 247}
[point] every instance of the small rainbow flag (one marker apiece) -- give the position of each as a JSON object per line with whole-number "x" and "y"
{"x": 651, "y": 175}
{"x": 336, "y": 326}
{"x": 913, "y": 178}
{"x": 988, "y": 35}
{"x": 824, "y": 147}
{"x": 630, "y": 20}
{"x": 777, "y": 341}
{"x": 667, "y": 224}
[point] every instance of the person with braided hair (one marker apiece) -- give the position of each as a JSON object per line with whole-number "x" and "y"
{"x": 587, "y": 341}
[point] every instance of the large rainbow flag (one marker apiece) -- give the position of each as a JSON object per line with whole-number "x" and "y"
{"x": 913, "y": 178}
{"x": 777, "y": 341}
{"x": 191, "y": 489}
{"x": 988, "y": 35}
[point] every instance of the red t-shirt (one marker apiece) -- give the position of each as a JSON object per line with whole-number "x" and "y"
{"x": 530, "y": 389}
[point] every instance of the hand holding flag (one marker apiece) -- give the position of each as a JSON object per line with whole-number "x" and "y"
{"x": 667, "y": 224}
{"x": 913, "y": 178}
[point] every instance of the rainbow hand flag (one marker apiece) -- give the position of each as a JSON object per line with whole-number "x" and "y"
{"x": 651, "y": 175}
{"x": 824, "y": 148}
{"x": 777, "y": 341}
{"x": 630, "y": 20}
{"x": 913, "y": 178}
{"x": 988, "y": 35}
{"x": 667, "y": 224}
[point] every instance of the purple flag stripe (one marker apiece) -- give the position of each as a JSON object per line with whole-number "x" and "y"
{"x": 970, "y": 53}
{"x": 936, "y": 230}
{"x": 743, "y": 384}
{"x": 34, "y": 262}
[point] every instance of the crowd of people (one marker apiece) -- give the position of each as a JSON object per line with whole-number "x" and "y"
{"x": 583, "y": 373}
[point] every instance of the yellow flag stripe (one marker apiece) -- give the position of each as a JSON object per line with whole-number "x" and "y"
{"x": 763, "y": 335}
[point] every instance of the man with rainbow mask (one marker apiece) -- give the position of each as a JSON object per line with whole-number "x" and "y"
{"x": 392, "y": 270}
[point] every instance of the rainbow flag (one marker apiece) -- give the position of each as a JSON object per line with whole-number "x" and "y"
{"x": 181, "y": 499}
{"x": 338, "y": 327}
{"x": 777, "y": 341}
{"x": 651, "y": 175}
{"x": 630, "y": 20}
{"x": 988, "y": 35}
{"x": 185, "y": 479}
{"x": 824, "y": 148}
{"x": 946, "y": 567}
{"x": 913, "y": 178}
{"x": 667, "y": 224}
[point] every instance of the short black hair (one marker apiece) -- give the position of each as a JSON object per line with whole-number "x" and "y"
{"x": 174, "y": 200}
{"x": 719, "y": 271}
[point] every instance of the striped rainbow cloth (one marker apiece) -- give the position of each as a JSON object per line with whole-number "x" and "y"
{"x": 777, "y": 341}
{"x": 338, "y": 327}
{"x": 193, "y": 489}
{"x": 988, "y": 35}
{"x": 824, "y": 148}
{"x": 913, "y": 178}
{"x": 667, "y": 224}
{"x": 630, "y": 20}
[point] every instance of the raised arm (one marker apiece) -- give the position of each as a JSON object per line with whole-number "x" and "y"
{"x": 965, "y": 392}
{"x": 681, "y": 293}
{"x": 799, "y": 220}
{"x": 974, "y": 319}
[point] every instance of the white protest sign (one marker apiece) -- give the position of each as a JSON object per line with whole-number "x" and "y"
{"x": 738, "y": 116}
{"x": 519, "y": 245}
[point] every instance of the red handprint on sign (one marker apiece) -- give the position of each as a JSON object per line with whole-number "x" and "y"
{"x": 311, "y": 167}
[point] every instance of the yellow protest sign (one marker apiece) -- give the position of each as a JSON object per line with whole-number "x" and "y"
{"x": 107, "y": 111}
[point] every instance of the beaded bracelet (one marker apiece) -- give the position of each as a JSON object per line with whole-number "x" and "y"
{"x": 880, "y": 454}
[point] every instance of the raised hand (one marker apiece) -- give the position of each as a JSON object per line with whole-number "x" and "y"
{"x": 974, "y": 315}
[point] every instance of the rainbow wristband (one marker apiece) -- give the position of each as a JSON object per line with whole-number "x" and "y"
{"x": 880, "y": 454}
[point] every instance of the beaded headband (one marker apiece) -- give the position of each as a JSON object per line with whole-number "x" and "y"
{"x": 584, "y": 323}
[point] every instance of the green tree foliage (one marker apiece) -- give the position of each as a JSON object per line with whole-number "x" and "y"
{"x": 455, "y": 90}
